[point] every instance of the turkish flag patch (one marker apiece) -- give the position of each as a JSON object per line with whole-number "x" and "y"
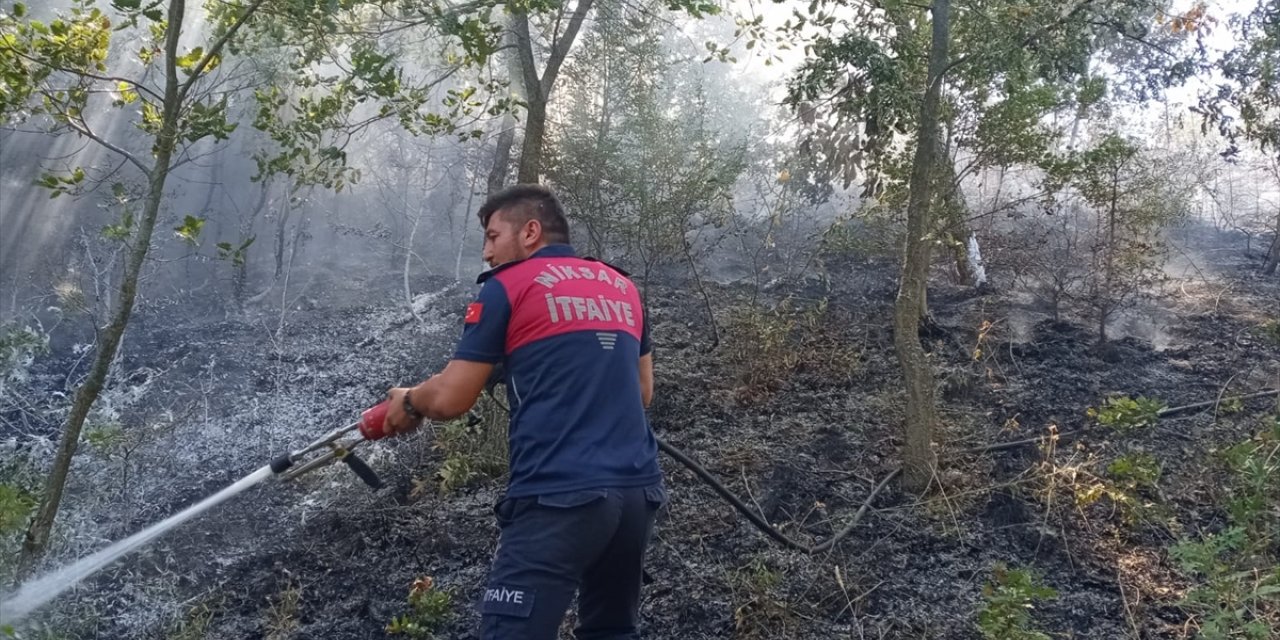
{"x": 473, "y": 313}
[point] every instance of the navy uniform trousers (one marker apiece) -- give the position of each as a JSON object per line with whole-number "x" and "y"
{"x": 590, "y": 541}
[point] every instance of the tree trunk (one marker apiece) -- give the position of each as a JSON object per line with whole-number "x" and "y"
{"x": 466, "y": 221}
{"x": 37, "y": 536}
{"x": 516, "y": 75}
{"x": 918, "y": 456}
{"x": 281, "y": 224}
{"x": 1109, "y": 273}
{"x": 535, "y": 127}
{"x": 240, "y": 272}
{"x": 413, "y": 232}
{"x": 596, "y": 215}
{"x": 538, "y": 89}
{"x": 960, "y": 254}
{"x": 502, "y": 155}
{"x": 1273, "y": 256}
{"x": 976, "y": 264}
{"x": 955, "y": 211}
{"x": 706, "y": 299}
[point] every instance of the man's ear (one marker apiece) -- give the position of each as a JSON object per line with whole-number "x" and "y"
{"x": 532, "y": 232}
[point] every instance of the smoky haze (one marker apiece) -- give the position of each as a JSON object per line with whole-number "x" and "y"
{"x": 414, "y": 191}
{"x": 408, "y": 216}
{"x": 1077, "y": 251}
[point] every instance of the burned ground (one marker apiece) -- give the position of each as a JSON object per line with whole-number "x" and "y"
{"x": 797, "y": 411}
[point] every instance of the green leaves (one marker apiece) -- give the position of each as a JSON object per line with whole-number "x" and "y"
{"x": 237, "y": 254}
{"x": 1009, "y": 131}
{"x": 1014, "y": 64}
{"x": 189, "y": 230}
{"x": 1235, "y": 572}
{"x": 655, "y": 123}
{"x": 58, "y": 185}
{"x": 191, "y": 59}
{"x": 121, "y": 230}
{"x": 1092, "y": 90}
{"x": 131, "y": 10}
{"x": 206, "y": 120}
{"x": 1010, "y": 596}
{"x": 462, "y": 99}
{"x": 430, "y": 609}
{"x": 125, "y": 94}
{"x": 695, "y": 8}
{"x": 43, "y": 65}
{"x": 152, "y": 120}
{"x": 1126, "y": 414}
{"x": 717, "y": 51}
{"x": 1135, "y": 471}
{"x": 304, "y": 149}
{"x": 1247, "y": 103}
{"x": 107, "y": 438}
{"x": 186, "y": 62}
{"x": 15, "y": 507}
{"x": 478, "y": 37}
{"x": 309, "y": 126}
{"x": 380, "y": 77}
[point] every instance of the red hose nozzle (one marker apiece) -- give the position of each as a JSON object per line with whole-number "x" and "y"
{"x": 373, "y": 421}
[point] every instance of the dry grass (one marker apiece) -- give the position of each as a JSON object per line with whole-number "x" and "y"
{"x": 281, "y": 620}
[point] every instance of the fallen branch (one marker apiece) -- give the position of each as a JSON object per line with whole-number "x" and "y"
{"x": 1217, "y": 404}
{"x": 857, "y": 517}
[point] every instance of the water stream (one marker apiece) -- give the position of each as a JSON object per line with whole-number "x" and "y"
{"x": 40, "y": 591}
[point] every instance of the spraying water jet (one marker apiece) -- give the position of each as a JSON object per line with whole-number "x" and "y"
{"x": 333, "y": 446}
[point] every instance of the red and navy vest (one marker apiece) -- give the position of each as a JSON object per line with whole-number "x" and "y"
{"x": 570, "y": 332}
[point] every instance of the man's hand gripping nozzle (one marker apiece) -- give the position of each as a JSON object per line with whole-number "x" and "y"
{"x": 337, "y": 445}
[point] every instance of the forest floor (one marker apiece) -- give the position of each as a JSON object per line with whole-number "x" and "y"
{"x": 797, "y": 410}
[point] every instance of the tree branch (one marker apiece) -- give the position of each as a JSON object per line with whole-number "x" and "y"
{"x": 85, "y": 74}
{"x": 524, "y": 52}
{"x": 1025, "y": 41}
{"x": 81, "y": 127}
{"x": 555, "y": 30}
{"x": 373, "y": 27}
{"x": 1125, "y": 33}
{"x": 560, "y": 49}
{"x": 216, "y": 50}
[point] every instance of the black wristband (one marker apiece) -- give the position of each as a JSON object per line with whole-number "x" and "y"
{"x": 410, "y": 409}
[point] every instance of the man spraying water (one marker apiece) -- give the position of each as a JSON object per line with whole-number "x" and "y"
{"x": 584, "y": 484}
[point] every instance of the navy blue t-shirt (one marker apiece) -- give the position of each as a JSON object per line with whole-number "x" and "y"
{"x": 570, "y": 332}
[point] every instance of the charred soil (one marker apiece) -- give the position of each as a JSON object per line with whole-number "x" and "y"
{"x": 798, "y": 411}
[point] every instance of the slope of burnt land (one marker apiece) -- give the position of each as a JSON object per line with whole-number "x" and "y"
{"x": 809, "y": 450}
{"x": 797, "y": 410}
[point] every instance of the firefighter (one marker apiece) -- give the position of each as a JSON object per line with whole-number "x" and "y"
{"x": 585, "y": 487}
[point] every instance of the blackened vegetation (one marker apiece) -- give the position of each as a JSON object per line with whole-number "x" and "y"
{"x": 798, "y": 411}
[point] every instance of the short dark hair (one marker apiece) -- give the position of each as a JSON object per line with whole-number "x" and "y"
{"x": 525, "y": 202}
